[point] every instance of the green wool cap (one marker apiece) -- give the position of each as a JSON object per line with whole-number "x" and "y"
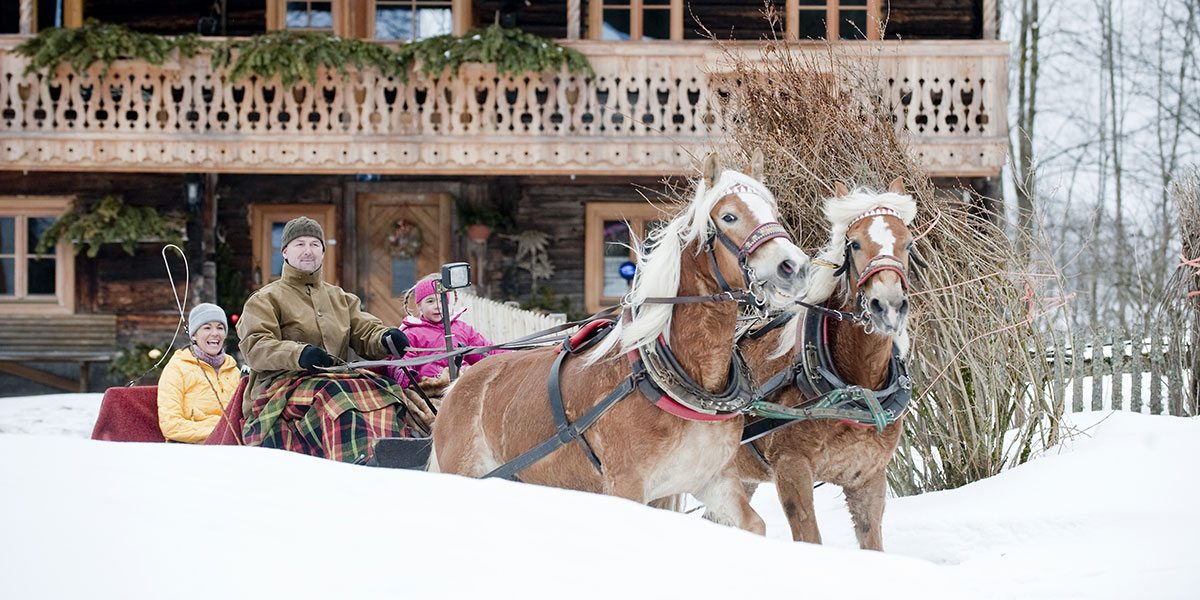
{"x": 300, "y": 227}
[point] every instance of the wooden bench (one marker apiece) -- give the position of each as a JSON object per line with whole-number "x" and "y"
{"x": 81, "y": 339}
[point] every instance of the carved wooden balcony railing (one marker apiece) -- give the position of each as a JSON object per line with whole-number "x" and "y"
{"x": 648, "y": 110}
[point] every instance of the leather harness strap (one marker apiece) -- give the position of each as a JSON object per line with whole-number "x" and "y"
{"x": 565, "y": 431}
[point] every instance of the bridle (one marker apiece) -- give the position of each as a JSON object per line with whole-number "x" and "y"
{"x": 762, "y": 234}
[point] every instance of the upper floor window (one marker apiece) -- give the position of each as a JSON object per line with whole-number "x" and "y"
{"x": 29, "y": 278}
{"x": 330, "y": 17}
{"x": 838, "y": 19}
{"x": 310, "y": 16}
{"x": 635, "y": 19}
{"x": 411, "y": 20}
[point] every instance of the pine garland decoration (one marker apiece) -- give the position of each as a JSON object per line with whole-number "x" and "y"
{"x": 110, "y": 221}
{"x": 298, "y": 55}
{"x": 104, "y": 43}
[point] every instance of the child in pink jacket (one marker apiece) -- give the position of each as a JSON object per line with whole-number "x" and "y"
{"x": 425, "y": 331}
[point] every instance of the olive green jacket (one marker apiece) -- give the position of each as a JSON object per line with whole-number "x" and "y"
{"x": 298, "y": 310}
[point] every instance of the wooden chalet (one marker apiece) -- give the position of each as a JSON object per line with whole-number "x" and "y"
{"x": 559, "y": 154}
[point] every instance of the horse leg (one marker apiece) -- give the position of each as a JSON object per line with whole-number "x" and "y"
{"x": 794, "y": 482}
{"x": 628, "y": 487}
{"x": 866, "y": 499}
{"x": 726, "y": 502}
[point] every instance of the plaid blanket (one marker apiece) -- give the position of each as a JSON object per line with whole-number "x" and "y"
{"x": 334, "y": 416}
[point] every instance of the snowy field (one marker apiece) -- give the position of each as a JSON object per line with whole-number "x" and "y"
{"x": 1106, "y": 516}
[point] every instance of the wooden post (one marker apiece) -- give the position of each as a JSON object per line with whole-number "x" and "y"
{"x": 990, "y": 14}
{"x": 1118, "y": 369}
{"x": 1157, "y": 358}
{"x": 1098, "y": 371}
{"x": 573, "y": 19}
{"x": 460, "y": 12}
{"x": 1076, "y": 374}
{"x": 72, "y": 13}
{"x": 28, "y": 16}
{"x": 1138, "y": 368}
{"x": 791, "y": 20}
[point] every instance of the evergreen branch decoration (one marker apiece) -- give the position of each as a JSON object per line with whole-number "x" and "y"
{"x": 512, "y": 51}
{"x": 104, "y": 43}
{"x": 109, "y": 221}
{"x": 298, "y": 55}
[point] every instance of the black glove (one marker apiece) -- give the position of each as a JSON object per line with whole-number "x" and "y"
{"x": 395, "y": 342}
{"x": 312, "y": 357}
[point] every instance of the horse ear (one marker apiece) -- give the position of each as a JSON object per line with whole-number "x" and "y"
{"x": 840, "y": 190}
{"x": 712, "y": 169}
{"x": 896, "y": 186}
{"x": 756, "y": 164}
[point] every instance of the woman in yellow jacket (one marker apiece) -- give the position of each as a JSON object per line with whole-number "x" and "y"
{"x": 198, "y": 381}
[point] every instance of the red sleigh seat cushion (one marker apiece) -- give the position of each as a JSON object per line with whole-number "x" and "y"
{"x": 129, "y": 414}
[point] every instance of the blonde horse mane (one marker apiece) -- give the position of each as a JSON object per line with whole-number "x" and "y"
{"x": 841, "y": 211}
{"x": 659, "y": 261}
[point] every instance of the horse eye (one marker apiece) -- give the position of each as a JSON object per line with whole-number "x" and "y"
{"x": 729, "y": 217}
{"x": 855, "y": 246}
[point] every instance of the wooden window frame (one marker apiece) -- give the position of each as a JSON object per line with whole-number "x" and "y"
{"x": 636, "y": 12}
{"x": 460, "y": 17}
{"x": 262, "y": 215}
{"x": 64, "y": 255}
{"x": 596, "y": 213}
{"x": 277, "y": 17}
{"x": 832, "y": 20}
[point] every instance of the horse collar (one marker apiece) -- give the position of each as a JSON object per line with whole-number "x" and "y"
{"x": 663, "y": 381}
{"x": 816, "y": 375}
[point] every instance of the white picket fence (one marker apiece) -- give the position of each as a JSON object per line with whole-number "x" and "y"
{"x": 500, "y": 322}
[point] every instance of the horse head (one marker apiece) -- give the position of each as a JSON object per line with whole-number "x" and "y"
{"x": 869, "y": 246}
{"x": 749, "y": 248}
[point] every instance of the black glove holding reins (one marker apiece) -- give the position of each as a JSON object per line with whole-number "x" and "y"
{"x": 312, "y": 357}
{"x": 395, "y": 342}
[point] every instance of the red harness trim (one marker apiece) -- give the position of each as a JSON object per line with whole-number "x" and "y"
{"x": 672, "y": 406}
{"x": 586, "y": 332}
{"x": 873, "y": 270}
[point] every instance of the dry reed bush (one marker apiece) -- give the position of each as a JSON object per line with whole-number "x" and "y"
{"x": 819, "y": 118}
{"x": 1179, "y": 308}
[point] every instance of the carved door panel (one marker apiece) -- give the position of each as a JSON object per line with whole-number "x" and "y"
{"x": 401, "y": 238}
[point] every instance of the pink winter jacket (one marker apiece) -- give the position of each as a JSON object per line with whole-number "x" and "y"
{"x": 427, "y": 334}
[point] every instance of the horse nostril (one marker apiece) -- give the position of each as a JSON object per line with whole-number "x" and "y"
{"x": 876, "y": 307}
{"x": 904, "y": 306}
{"x": 787, "y": 269}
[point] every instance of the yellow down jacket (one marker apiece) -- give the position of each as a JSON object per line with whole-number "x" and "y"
{"x": 188, "y": 408}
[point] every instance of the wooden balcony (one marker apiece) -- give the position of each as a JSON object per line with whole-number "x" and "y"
{"x": 648, "y": 111}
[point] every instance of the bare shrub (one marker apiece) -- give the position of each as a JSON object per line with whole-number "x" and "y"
{"x": 982, "y": 402}
{"x": 1179, "y": 308}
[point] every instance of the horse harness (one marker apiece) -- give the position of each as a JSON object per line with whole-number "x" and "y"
{"x": 826, "y": 395}
{"x": 656, "y": 373}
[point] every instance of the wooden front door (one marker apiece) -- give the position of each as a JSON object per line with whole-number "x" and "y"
{"x": 390, "y": 257}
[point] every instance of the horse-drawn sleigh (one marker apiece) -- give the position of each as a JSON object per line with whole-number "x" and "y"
{"x": 713, "y": 374}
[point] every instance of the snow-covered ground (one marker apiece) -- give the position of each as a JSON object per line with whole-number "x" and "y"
{"x": 1106, "y": 516}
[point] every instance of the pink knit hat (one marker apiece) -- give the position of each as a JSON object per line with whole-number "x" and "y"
{"x": 424, "y": 289}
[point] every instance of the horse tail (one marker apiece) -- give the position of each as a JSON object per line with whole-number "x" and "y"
{"x": 432, "y": 464}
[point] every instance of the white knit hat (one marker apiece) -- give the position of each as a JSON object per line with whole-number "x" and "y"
{"x": 204, "y": 313}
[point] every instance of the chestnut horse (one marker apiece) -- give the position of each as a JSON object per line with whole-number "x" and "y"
{"x": 648, "y": 447}
{"x": 864, "y": 268}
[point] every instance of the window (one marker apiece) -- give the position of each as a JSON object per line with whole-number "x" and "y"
{"x": 29, "y": 280}
{"x": 411, "y": 20}
{"x": 838, "y": 20}
{"x": 611, "y": 229}
{"x": 309, "y": 16}
{"x": 635, "y": 19}
{"x": 266, "y": 236}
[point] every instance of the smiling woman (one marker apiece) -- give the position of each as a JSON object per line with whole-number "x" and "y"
{"x": 198, "y": 382}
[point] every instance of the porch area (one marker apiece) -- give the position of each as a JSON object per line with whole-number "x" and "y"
{"x": 649, "y": 110}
